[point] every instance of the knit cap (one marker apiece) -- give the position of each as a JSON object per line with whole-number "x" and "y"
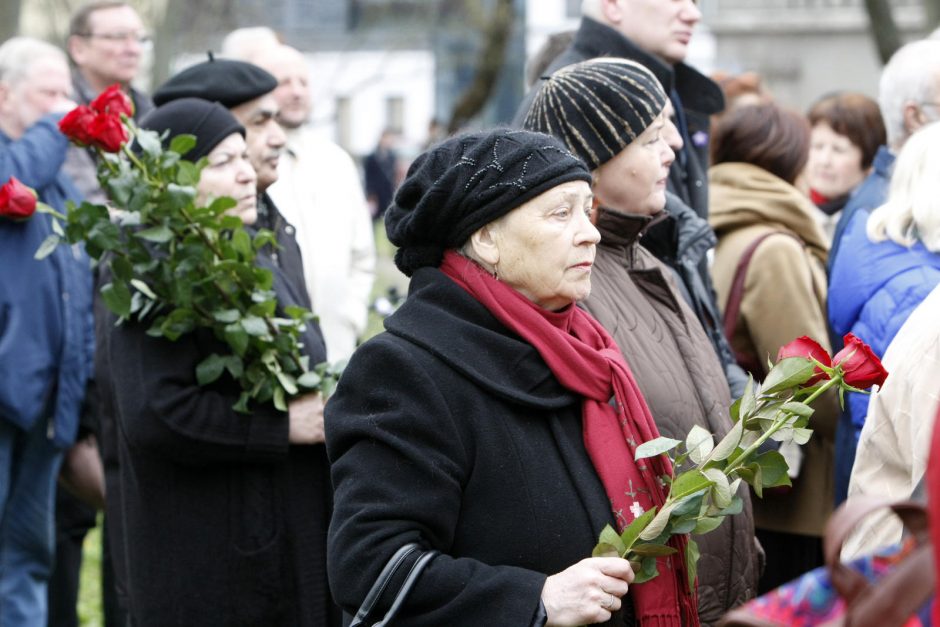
{"x": 468, "y": 181}
{"x": 597, "y": 107}
{"x": 210, "y": 122}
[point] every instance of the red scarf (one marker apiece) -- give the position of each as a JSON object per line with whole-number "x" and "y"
{"x": 585, "y": 359}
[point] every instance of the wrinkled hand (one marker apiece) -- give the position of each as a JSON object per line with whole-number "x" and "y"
{"x": 588, "y": 592}
{"x": 306, "y": 419}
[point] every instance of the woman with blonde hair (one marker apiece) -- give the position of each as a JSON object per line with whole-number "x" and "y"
{"x": 890, "y": 263}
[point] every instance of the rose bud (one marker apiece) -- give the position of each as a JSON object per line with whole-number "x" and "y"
{"x": 807, "y": 348}
{"x": 17, "y": 201}
{"x": 861, "y": 368}
{"x": 113, "y": 100}
{"x": 108, "y": 132}
{"x": 76, "y": 125}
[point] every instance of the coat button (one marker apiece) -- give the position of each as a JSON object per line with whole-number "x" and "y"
{"x": 289, "y": 229}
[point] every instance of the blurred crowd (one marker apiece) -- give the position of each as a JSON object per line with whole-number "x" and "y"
{"x": 721, "y": 225}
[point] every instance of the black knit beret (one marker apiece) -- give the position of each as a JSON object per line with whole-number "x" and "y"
{"x": 597, "y": 107}
{"x": 466, "y": 182}
{"x": 210, "y": 122}
{"x": 226, "y": 81}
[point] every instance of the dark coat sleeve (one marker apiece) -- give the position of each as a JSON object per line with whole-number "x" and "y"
{"x": 401, "y": 458}
{"x": 164, "y": 411}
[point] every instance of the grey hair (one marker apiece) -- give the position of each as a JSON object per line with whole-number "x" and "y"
{"x": 18, "y": 54}
{"x": 911, "y": 76}
{"x": 912, "y": 211}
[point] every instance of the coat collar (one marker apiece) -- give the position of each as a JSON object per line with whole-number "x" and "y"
{"x": 446, "y": 321}
{"x": 696, "y": 91}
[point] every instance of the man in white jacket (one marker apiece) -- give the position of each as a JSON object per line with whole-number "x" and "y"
{"x": 319, "y": 192}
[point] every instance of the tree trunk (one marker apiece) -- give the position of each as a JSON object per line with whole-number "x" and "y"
{"x": 9, "y": 18}
{"x": 491, "y": 60}
{"x": 932, "y": 11}
{"x": 883, "y": 27}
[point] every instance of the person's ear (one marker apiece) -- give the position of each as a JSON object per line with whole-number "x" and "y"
{"x": 612, "y": 11}
{"x": 914, "y": 118}
{"x": 484, "y": 244}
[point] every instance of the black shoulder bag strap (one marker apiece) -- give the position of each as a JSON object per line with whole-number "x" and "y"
{"x": 379, "y": 588}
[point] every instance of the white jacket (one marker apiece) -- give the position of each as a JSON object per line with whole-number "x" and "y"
{"x": 895, "y": 441}
{"x": 319, "y": 192}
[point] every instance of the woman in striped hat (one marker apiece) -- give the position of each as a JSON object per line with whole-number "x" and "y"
{"x": 610, "y": 112}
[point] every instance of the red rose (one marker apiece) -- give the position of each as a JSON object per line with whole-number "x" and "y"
{"x": 17, "y": 202}
{"x": 76, "y": 124}
{"x": 107, "y": 132}
{"x": 113, "y": 100}
{"x": 807, "y": 348}
{"x": 860, "y": 366}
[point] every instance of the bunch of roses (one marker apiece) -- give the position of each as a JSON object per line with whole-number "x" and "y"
{"x": 706, "y": 475}
{"x": 17, "y": 201}
{"x": 99, "y": 124}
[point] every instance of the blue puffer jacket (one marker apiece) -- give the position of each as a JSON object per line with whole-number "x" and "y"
{"x": 873, "y": 288}
{"x": 46, "y": 329}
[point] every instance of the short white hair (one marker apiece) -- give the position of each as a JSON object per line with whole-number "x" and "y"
{"x": 18, "y": 54}
{"x": 244, "y": 44}
{"x": 912, "y": 211}
{"x": 911, "y": 76}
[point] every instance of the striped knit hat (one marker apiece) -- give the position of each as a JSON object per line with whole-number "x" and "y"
{"x": 597, "y": 107}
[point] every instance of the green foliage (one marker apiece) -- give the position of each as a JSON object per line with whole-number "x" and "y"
{"x": 706, "y": 475}
{"x": 178, "y": 267}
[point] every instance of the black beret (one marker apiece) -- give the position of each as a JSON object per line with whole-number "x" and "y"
{"x": 597, "y": 107}
{"x": 210, "y": 122}
{"x": 226, "y": 81}
{"x": 468, "y": 181}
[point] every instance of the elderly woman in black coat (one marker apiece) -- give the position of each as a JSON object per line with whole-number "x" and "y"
{"x": 224, "y": 514}
{"x": 494, "y": 421}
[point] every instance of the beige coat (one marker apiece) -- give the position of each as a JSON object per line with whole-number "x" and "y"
{"x": 895, "y": 442}
{"x": 784, "y": 298}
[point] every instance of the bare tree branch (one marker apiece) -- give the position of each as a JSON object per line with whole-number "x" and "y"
{"x": 883, "y": 28}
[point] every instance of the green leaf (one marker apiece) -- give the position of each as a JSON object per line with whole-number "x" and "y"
{"x": 699, "y": 444}
{"x": 181, "y": 144}
{"x": 658, "y": 523}
{"x": 729, "y": 443}
{"x": 655, "y": 447}
{"x": 235, "y": 366}
{"x": 610, "y": 536}
{"x": 179, "y": 322}
{"x": 749, "y": 398}
{"x": 652, "y": 550}
{"x": 149, "y": 141}
{"x": 707, "y": 524}
{"x": 48, "y": 245}
{"x": 788, "y": 373}
{"x": 122, "y": 269}
{"x": 691, "y": 561}
{"x": 279, "y": 401}
{"x": 604, "y": 550}
{"x": 210, "y": 369}
{"x": 187, "y": 173}
{"x": 227, "y": 316}
{"x": 721, "y": 490}
{"x": 689, "y": 482}
{"x": 287, "y": 382}
{"x": 242, "y": 405}
{"x": 237, "y": 338}
{"x": 117, "y": 297}
{"x": 688, "y": 504}
{"x": 309, "y": 380}
{"x": 736, "y": 507}
{"x": 682, "y": 526}
{"x": 646, "y": 571}
{"x": 634, "y": 529}
{"x": 143, "y": 288}
{"x": 221, "y": 205}
{"x": 802, "y": 436}
{"x": 799, "y": 409}
{"x": 241, "y": 242}
{"x": 157, "y": 234}
{"x": 773, "y": 469}
{"x": 180, "y": 196}
{"x": 255, "y": 326}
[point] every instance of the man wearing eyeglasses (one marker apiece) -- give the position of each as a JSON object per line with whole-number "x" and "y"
{"x": 106, "y": 44}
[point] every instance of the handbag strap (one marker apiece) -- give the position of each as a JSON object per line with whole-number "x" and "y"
{"x": 900, "y": 592}
{"x": 736, "y": 295}
{"x": 383, "y": 581}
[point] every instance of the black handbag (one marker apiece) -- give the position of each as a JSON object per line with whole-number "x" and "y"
{"x": 382, "y": 583}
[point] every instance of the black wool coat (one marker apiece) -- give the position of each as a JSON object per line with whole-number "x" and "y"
{"x": 223, "y": 522}
{"x": 450, "y": 430}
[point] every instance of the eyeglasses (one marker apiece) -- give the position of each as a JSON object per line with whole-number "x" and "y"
{"x": 142, "y": 39}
